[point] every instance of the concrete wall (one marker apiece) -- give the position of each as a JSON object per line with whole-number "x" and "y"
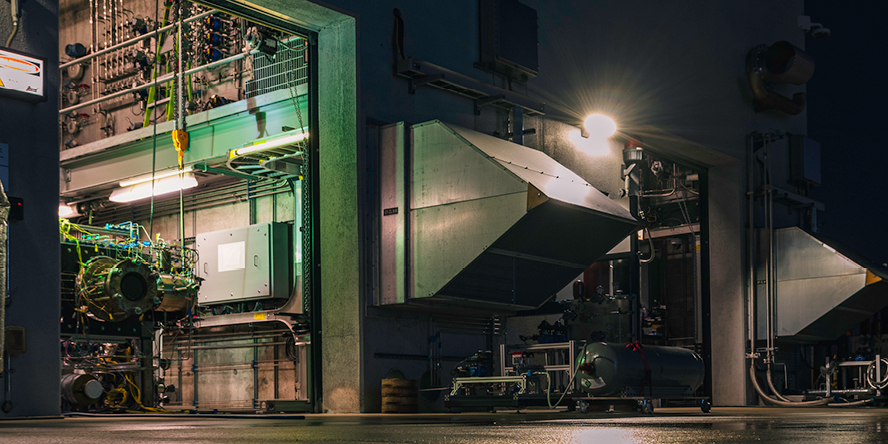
{"x": 30, "y": 130}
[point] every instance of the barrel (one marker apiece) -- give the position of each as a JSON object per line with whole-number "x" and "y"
{"x": 604, "y": 369}
{"x": 399, "y": 395}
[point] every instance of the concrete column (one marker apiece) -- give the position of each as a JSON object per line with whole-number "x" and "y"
{"x": 727, "y": 284}
{"x": 340, "y": 278}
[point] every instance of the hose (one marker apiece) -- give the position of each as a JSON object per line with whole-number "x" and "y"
{"x": 771, "y": 386}
{"x": 767, "y": 399}
{"x": 549, "y": 390}
{"x": 651, "y": 241}
{"x": 870, "y": 376}
{"x": 853, "y": 404}
{"x": 15, "y": 27}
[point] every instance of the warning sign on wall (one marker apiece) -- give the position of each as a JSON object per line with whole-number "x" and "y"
{"x": 22, "y": 76}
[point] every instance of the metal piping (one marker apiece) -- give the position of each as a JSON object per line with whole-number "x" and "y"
{"x": 132, "y": 41}
{"x": 165, "y": 78}
{"x": 766, "y": 99}
{"x": 767, "y": 399}
{"x": 750, "y": 193}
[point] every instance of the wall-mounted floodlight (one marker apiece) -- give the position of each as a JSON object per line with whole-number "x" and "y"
{"x": 161, "y": 186}
{"x": 600, "y": 126}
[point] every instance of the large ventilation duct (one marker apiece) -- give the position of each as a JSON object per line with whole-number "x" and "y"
{"x": 472, "y": 220}
{"x": 779, "y": 63}
{"x": 821, "y": 291}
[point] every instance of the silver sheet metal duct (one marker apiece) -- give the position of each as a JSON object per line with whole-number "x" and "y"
{"x": 472, "y": 220}
{"x": 822, "y": 290}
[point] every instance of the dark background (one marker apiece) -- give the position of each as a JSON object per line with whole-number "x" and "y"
{"x": 846, "y": 114}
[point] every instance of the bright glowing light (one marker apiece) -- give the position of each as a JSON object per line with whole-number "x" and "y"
{"x": 65, "y": 211}
{"x": 831, "y": 249}
{"x": 595, "y": 146}
{"x": 161, "y": 186}
{"x": 600, "y": 126}
{"x": 157, "y": 176}
{"x": 268, "y": 144}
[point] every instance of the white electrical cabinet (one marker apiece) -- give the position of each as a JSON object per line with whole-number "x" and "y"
{"x": 246, "y": 263}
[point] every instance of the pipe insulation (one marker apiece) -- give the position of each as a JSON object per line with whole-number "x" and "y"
{"x": 4, "y": 217}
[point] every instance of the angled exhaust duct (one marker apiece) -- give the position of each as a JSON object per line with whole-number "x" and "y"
{"x": 779, "y": 63}
{"x": 470, "y": 220}
{"x": 822, "y": 290}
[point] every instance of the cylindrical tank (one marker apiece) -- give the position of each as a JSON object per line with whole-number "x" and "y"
{"x": 179, "y": 293}
{"x": 113, "y": 290}
{"x": 83, "y": 389}
{"x": 604, "y": 369}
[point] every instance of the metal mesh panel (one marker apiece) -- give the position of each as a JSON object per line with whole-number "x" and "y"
{"x": 271, "y": 74}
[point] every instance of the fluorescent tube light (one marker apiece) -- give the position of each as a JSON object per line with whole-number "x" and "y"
{"x": 161, "y": 186}
{"x": 268, "y": 144}
{"x": 66, "y": 211}
{"x": 157, "y": 175}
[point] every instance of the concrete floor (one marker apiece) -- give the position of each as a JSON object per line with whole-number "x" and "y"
{"x": 667, "y": 425}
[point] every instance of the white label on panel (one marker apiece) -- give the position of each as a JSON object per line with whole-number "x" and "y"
{"x": 232, "y": 256}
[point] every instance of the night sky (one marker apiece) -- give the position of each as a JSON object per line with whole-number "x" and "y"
{"x": 846, "y": 114}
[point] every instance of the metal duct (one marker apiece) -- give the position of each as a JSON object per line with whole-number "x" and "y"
{"x": 821, "y": 292}
{"x": 472, "y": 220}
{"x": 781, "y": 62}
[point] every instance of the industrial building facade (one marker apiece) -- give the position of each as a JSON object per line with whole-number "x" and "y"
{"x": 276, "y": 205}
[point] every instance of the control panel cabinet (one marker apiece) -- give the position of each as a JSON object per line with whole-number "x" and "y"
{"x": 245, "y": 263}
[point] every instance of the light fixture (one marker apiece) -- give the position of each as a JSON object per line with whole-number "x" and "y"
{"x": 66, "y": 211}
{"x": 156, "y": 176}
{"x": 600, "y": 126}
{"x": 831, "y": 249}
{"x": 161, "y": 186}
{"x": 268, "y": 144}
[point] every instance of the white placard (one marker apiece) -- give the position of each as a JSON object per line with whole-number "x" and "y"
{"x": 21, "y": 74}
{"x": 232, "y": 256}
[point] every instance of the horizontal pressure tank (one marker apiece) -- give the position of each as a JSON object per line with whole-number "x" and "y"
{"x": 615, "y": 370}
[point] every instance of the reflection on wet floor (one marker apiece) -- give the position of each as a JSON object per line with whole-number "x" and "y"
{"x": 736, "y": 425}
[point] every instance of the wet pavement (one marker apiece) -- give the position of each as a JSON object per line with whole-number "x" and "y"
{"x": 672, "y": 425}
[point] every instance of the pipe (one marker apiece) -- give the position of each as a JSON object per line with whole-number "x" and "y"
{"x": 4, "y": 217}
{"x": 769, "y": 275}
{"x": 159, "y": 80}
{"x": 750, "y": 194}
{"x": 771, "y": 386}
{"x": 766, "y": 99}
{"x": 772, "y": 401}
{"x": 853, "y": 403}
{"x": 135, "y": 40}
{"x": 15, "y": 13}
